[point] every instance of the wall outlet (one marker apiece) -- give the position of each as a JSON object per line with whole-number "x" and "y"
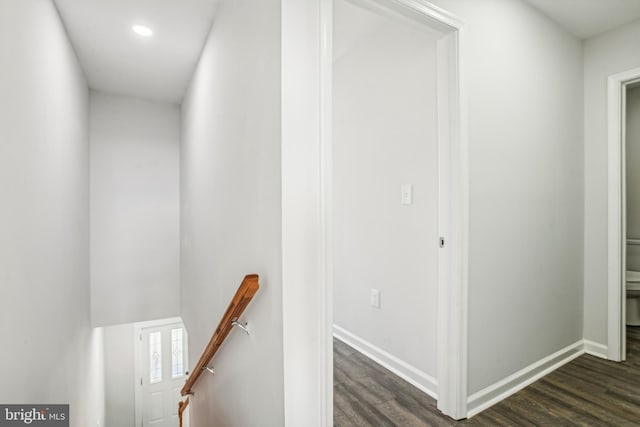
{"x": 375, "y": 298}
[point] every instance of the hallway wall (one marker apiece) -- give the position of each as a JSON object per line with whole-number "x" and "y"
{"x": 119, "y": 369}
{"x": 524, "y": 94}
{"x": 135, "y": 209}
{"x": 610, "y": 53}
{"x": 231, "y": 214}
{"x": 50, "y": 353}
{"x": 524, "y": 107}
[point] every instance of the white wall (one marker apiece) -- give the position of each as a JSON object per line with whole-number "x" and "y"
{"x": 135, "y": 212}
{"x": 524, "y": 103}
{"x": 633, "y": 176}
{"x": 50, "y": 353}
{"x": 119, "y": 369}
{"x": 385, "y": 135}
{"x": 610, "y": 53}
{"x": 525, "y": 125}
{"x": 230, "y": 199}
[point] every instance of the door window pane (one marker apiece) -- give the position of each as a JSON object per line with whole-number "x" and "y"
{"x": 155, "y": 357}
{"x": 177, "y": 355}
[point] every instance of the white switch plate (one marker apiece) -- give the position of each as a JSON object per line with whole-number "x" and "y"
{"x": 375, "y": 298}
{"x": 406, "y": 194}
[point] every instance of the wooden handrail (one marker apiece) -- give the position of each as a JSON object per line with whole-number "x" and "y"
{"x": 181, "y": 407}
{"x": 240, "y": 301}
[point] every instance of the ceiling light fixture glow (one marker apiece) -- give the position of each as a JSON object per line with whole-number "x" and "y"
{"x": 142, "y": 30}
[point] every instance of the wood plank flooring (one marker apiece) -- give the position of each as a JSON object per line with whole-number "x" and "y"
{"x": 585, "y": 392}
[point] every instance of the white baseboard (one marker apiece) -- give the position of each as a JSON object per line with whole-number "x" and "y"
{"x": 488, "y": 396}
{"x": 596, "y": 349}
{"x": 409, "y": 373}
{"x": 493, "y": 394}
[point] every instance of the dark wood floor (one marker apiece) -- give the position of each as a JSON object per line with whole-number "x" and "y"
{"x": 586, "y": 392}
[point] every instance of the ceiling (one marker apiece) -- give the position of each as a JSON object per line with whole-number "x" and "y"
{"x": 588, "y": 18}
{"x": 117, "y": 60}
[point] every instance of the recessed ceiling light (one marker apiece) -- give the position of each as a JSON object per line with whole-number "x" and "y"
{"x": 142, "y": 30}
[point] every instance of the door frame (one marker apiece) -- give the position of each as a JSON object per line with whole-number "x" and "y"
{"x": 306, "y": 151}
{"x": 452, "y": 188}
{"x": 617, "y": 218}
{"x": 137, "y": 370}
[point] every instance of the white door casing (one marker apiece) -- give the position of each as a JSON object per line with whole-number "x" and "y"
{"x": 452, "y": 200}
{"x": 452, "y": 263}
{"x": 306, "y": 210}
{"x": 616, "y": 249}
{"x": 452, "y": 203}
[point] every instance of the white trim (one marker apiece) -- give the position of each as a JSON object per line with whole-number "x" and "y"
{"x": 404, "y": 370}
{"x": 453, "y": 223}
{"x": 616, "y": 249}
{"x": 306, "y": 213}
{"x": 595, "y": 349}
{"x": 493, "y": 394}
{"x": 156, "y": 323}
{"x": 418, "y": 10}
{"x": 326, "y": 209}
{"x": 306, "y": 290}
{"x": 488, "y": 396}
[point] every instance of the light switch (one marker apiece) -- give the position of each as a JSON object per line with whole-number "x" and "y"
{"x": 375, "y": 298}
{"x": 406, "y": 194}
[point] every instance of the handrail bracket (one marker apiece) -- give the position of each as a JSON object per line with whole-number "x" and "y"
{"x": 243, "y": 326}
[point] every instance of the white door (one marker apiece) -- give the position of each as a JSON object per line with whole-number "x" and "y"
{"x": 163, "y": 359}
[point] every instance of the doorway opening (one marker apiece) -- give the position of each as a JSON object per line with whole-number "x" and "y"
{"x": 623, "y": 244}
{"x": 395, "y": 192}
{"x": 161, "y": 358}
